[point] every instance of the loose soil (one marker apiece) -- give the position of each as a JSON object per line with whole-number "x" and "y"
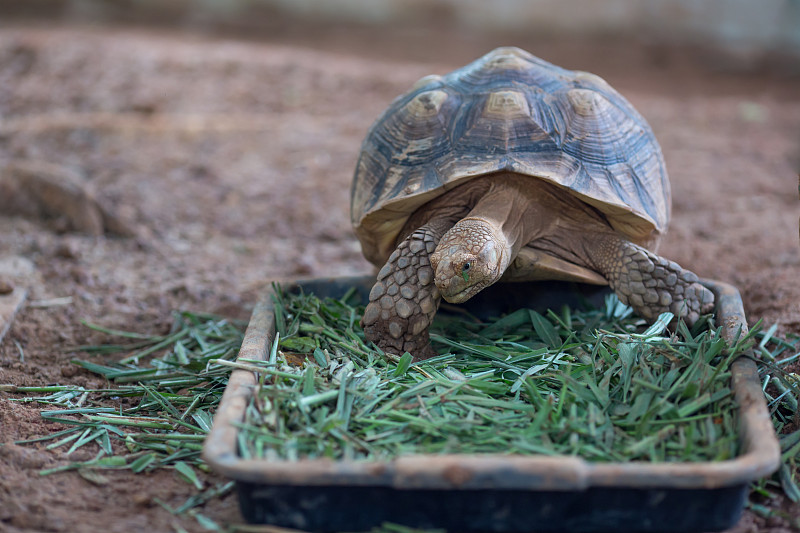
{"x": 231, "y": 161}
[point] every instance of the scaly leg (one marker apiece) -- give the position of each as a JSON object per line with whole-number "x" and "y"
{"x": 651, "y": 284}
{"x": 404, "y": 299}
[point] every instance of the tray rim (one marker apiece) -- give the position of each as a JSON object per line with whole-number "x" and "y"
{"x": 760, "y": 457}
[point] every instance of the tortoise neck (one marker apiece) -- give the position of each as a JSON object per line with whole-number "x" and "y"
{"x": 512, "y": 208}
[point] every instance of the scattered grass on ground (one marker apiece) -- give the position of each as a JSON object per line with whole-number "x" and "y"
{"x": 601, "y": 367}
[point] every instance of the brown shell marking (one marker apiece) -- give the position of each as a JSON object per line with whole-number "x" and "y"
{"x": 509, "y": 111}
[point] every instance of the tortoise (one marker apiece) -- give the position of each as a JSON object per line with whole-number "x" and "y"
{"x": 511, "y": 169}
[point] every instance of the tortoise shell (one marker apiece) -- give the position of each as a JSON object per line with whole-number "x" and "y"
{"x": 509, "y": 111}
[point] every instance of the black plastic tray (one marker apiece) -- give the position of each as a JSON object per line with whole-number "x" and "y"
{"x": 495, "y": 492}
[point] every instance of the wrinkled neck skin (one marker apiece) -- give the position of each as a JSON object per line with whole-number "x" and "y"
{"x": 476, "y": 251}
{"x": 510, "y": 208}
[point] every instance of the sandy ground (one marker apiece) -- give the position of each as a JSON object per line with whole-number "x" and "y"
{"x": 232, "y": 160}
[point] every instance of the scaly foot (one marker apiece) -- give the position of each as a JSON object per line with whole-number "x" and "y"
{"x": 652, "y": 284}
{"x": 404, "y": 299}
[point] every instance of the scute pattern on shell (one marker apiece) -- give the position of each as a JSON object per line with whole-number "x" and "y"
{"x": 509, "y": 111}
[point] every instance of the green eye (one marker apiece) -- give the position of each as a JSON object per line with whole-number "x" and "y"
{"x": 465, "y": 271}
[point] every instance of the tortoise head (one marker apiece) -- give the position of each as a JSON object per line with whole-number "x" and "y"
{"x": 472, "y": 255}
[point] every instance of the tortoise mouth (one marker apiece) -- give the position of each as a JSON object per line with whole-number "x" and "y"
{"x": 463, "y": 295}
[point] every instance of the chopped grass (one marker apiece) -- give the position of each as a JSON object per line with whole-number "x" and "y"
{"x": 180, "y": 383}
{"x": 171, "y": 400}
{"x": 598, "y": 384}
{"x": 782, "y": 391}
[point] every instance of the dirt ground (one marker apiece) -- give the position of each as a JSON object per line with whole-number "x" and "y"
{"x": 231, "y": 161}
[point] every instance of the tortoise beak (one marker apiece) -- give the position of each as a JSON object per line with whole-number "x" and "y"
{"x": 453, "y": 285}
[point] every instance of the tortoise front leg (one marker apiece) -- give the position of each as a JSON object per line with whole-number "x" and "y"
{"x": 650, "y": 283}
{"x": 404, "y": 299}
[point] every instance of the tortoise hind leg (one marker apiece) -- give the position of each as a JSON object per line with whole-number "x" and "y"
{"x": 651, "y": 284}
{"x": 404, "y": 299}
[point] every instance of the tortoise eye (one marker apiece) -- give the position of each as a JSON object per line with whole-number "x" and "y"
{"x": 466, "y": 266}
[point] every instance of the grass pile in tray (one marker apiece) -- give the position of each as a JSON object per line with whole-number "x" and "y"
{"x": 165, "y": 389}
{"x": 600, "y": 384}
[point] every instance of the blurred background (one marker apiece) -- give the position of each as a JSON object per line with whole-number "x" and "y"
{"x": 726, "y": 34}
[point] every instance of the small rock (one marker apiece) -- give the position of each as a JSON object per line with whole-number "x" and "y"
{"x": 66, "y": 250}
{"x": 142, "y": 499}
{"x": 6, "y": 287}
{"x": 80, "y": 275}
